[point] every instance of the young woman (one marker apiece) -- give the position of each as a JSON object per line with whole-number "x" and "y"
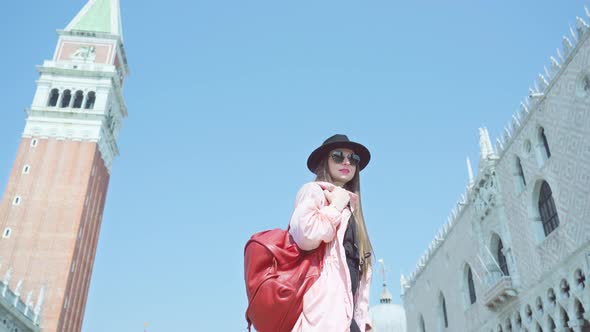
{"x": 329, "y": 210}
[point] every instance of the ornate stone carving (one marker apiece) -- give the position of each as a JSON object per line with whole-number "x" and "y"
{"x": 84, "y": 53}
{"x": 485, "y": 195}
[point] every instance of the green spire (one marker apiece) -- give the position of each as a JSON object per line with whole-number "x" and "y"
{"x": 98, "y": 16}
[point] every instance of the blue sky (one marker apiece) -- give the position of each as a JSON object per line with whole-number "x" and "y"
{"x": 226, "y": 100}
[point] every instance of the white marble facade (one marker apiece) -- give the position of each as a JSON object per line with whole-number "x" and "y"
{"x": 542, "y": 285}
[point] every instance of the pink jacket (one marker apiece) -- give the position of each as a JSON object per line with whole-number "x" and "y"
{"x": 328, "y": 304}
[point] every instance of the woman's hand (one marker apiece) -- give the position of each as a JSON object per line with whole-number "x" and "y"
{"x": 337, "y": 198}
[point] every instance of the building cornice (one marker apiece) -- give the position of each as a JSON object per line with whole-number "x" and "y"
{"x": 73, "y": 125}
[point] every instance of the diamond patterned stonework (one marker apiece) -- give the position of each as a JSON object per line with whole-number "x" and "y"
{"x": 545, "y": 288}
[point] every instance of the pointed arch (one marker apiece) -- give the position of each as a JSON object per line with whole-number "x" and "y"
{"x": 580, "y": 279}
{"x": 539, "y": 306}
{"x": 443, "y": 318}
{"x": 542, "y": 150}
{"x": 517, "y": 320}
{"x": 528, "y": 313}
{"x": 564, "y": 288}
{"x": 543, "y": 211}
{"x": 519, "y": 178}
{"x": 551, "y": 297}
{"x": 564, "y": 319}
{"x": 497, "y": 248}
{"x": 547, "y": 209}
{"x": 508, "y": 325}
{"x": 468, "y": 286}
{"x": 551, "y": 324}
{"x": 579, "y": 311}
{"x": 421, "y": 324}
{"x": 543, "y": 139}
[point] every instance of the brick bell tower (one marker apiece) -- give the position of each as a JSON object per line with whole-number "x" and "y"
{"x": 51, "y": 211}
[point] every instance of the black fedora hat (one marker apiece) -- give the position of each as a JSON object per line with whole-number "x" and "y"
{"x": 335, "y": 142}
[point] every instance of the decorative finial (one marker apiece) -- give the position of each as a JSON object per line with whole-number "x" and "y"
{"x": 39, "y": 305}
{"x": 499, "y": 144}
{"x": 19, "y": 285}
{"x": 470, "y": 173}
{"x": 574, "y": 37}
{"x": 403, "y": 282}
{"x": 523, "y": 108}
{"x": 515, "y": 121}
{"x": 543, "y": 84}
{"x": 488, "y": 141}
{"x": 560, "y": 56}
{"x": 382, "y": 271}
{"x": 483, "y": 145}
{"x": 567, "y": 46}
{"x": 7, "y": 277}
{"x": 554, "y": 65}
{"x": 581, "y": 26}
{"x": 547, "y": 73}
{"x": 385, "y": 295}
{"x": 28, "y": 302}
{"x": 506, "y": 134}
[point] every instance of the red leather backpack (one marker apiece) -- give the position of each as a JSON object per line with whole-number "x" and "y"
{"x": 277, "y": 275}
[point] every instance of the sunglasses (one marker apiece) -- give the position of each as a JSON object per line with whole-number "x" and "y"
{"x": 338, "y": 157}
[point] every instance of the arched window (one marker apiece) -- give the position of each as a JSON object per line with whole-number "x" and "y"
{"x": 53, "y": 97}
{"x": 551, "y": 323}
{"x": 564, "y": 319}
{"x": 502, "y": 259}
{"x": 471, "y": 286}
{"x": 520, "y": 174}
{"x": 518, "y": 320}
{"x": 421, "y": 325}
{"x": 78, "y": 98}
{"x": 580, "y": 279}
{"x": 66, "y": 98}
{"x": 579, "y": 309}
{"x": 544, "y": 141}
{"x": 90, "y": 99}
{"x": 551, "y": 298}
{"x": 547, "y": 209}
{"x": 580, "y": 316}
{"x": 443, "y": 307}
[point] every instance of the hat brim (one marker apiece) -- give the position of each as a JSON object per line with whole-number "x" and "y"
{"x": 316, "y": 156}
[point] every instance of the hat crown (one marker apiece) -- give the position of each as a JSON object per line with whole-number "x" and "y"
{"x": 336, "y": 138}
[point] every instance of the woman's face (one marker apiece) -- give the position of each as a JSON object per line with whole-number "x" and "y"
{"x": 342, "y": 166}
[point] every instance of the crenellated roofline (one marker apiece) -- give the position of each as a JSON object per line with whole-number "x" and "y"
{"x": 537, "y": 95}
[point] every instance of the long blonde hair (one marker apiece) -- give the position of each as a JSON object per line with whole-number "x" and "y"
{"x": 354, "y": 185}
